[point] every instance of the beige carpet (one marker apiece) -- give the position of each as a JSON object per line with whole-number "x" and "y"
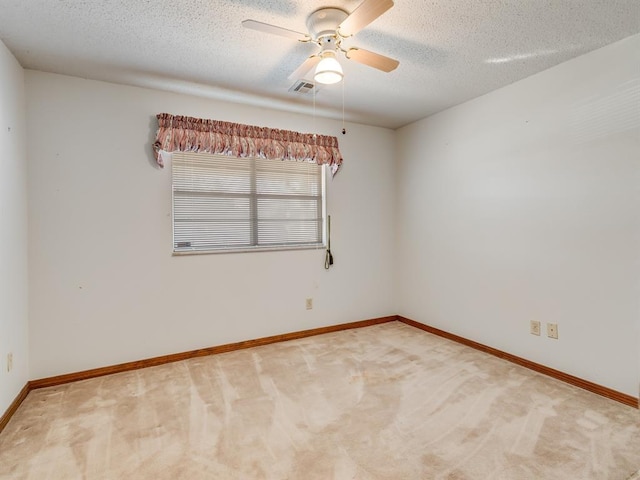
{"x": 383, "y": 402}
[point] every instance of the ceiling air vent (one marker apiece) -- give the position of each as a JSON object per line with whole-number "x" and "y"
{"x": 303, "y": 87}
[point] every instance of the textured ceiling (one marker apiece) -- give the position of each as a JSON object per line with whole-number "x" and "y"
{"x": 449, "y": 51}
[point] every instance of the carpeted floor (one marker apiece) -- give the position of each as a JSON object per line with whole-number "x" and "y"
{"x": 382, "y": 402}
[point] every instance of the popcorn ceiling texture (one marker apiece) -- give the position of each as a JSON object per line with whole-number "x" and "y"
{"x": 383, "y": 402}
{"x": 449, "y": 51}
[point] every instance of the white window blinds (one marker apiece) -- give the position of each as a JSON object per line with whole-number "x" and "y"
{"x": 223, "y": 203}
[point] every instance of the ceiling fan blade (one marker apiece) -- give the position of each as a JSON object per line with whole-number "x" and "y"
{"x": 363, "y": 15}
{"x": 307, "y": 65}
{"x": 272, "y": 29}
{"x": 372, "y": 59}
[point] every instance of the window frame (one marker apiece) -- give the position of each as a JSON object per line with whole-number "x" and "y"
{"x": 253, "y": 196}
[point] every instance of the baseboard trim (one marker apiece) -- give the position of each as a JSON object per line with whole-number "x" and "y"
{"x": 14, "y": 406}
{"x": 565, "y": 377}
{"x": 176, "y": 357}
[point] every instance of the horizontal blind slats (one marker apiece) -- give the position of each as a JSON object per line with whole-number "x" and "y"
{"x": 226, "y": 203}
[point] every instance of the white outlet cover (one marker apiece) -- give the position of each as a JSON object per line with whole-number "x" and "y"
{"x": 535, "y": 327}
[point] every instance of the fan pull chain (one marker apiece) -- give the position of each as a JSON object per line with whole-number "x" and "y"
{"x": 315, "y": 86}
{"x": 344, "y": 130}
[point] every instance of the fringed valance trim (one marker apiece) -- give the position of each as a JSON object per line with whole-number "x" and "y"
{"x": 177, "y": 133}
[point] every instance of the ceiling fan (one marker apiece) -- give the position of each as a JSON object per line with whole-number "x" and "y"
{"x": 328, "y": 27}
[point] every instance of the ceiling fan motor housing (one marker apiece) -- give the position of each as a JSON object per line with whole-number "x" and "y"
{"x": 324, "y": 22}
{"x": 328, "y": 27}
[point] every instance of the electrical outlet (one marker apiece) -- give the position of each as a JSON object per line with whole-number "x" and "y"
{"x": 552, "y": 330}
{"x": 9, "y": 361}
{"x": 535, "y": 327}
{"x": 309, "y": 303}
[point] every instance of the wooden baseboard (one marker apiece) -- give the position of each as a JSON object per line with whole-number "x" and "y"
{"x": 150, "y": 362}
{"x": 565, "y": 377}
{"x": 14, "y": 406}
{"x": 176, "y": 357}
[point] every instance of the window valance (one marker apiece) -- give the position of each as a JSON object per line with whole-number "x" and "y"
{"x": 177, "y": 133}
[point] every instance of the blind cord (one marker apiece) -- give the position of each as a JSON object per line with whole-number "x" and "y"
{"x": 328, "y": 258}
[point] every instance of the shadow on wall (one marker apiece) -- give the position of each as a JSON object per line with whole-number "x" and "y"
{"x": 600, "y": 116}
{"x": 148, "y": 147}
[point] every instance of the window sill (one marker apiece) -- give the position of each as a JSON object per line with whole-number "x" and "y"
{"x": 278, "y": 248}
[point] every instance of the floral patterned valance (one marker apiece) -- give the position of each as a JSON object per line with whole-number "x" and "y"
{"x": 177, "y": 133}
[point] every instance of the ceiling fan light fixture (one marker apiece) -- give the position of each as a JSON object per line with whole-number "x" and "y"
{"x": 328, "y": 70}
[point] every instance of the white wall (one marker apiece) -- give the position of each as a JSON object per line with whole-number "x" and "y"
{"x": 13, "y": 230}
{"x": 104, "y": 286}
{"x": 524, "y": 204}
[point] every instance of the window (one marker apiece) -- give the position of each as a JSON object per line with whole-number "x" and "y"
{"x": 223, "y": 203}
